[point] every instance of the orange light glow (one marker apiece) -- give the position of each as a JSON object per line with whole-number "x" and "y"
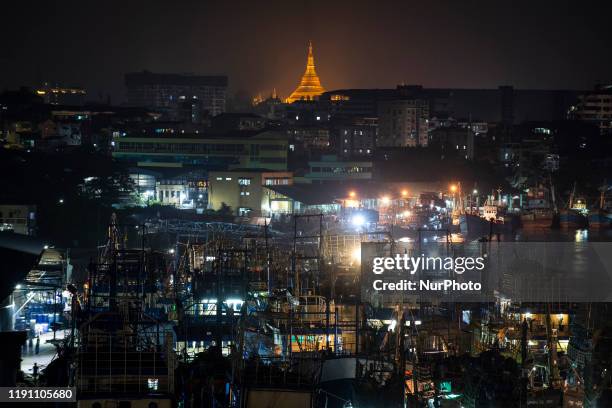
{"x": 404, "y": 193}
{"x": 453, "y": 188}
{"x": 352, "y": 194}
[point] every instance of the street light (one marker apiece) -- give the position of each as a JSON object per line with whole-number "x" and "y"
{"x": 453, "y": 188}
{"x": 404, "y": 193}
{"x": 385, "y": 200}
{"x": 352, "y": 194}
{"x": 358, "y": 220}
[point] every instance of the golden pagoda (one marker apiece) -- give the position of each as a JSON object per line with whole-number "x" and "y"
{"x": 310, "y": 85}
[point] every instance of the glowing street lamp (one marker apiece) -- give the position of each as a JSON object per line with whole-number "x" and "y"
{"x": 453, "y": 188}
{"x": 404, "y": 193}
{"x": 358, "y": 220}
{"x": 352, "y": 194}
{"x": 385, "y": 200}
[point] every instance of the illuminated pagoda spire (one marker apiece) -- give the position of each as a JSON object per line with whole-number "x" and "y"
{"x": 310, "y": 85}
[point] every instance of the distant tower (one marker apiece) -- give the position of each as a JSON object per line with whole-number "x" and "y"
{"x": 310, "y": 85}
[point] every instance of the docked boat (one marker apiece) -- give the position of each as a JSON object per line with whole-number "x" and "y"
{"x": 476, "y": 225}
{"x": 537, "y": 218}
{"x": 574, "y": 216}
{"x": 491, "y": 220}
{"x": 571, "y": 218}
{"x": 538, "y": 208}
{"x": 601, "y": 217}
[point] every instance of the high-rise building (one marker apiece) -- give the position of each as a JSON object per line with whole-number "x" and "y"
{"x": 310, "y": 85}
{"x": 596, "y": 107}
{"x": 403, "y": 122}
{"x": 170, "y": 91}
{"x": 357, "y": 137}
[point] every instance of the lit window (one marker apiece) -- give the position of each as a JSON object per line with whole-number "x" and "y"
{"x": 219, "y": 178}
{"x": 244, "y": 181}
{"x": 228, "y": 179}
{"x": 153, "y": 384}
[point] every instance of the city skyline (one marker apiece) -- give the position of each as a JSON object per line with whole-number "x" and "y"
{"x": 306, "y": 204}
{"x": 260, "y": 47}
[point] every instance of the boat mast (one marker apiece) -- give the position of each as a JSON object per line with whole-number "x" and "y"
{"x": 571, "y": 197}
{"x": 552, "y": 193}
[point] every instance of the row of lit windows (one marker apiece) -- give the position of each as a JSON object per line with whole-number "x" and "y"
{"x": 168, "y": 194}
{"x": 357, "y": 150}
{"x": 597, "y": 100}
{"x": 273, "y": 181}
{"x": 357, "y": 132}
{"x": 281, "y": 181}
{"x": 343, "y": 169}
{"x": 180, "y": 147}
{"x": 206, "y": 148}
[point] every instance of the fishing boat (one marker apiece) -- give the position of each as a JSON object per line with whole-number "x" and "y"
{"x": 477, "y": 225}
{"x": 538, "y": 211}
{"x": 601, "y": 217}
{"x": 574, "y": 216}
{"x": 571, "y": 218}
{"x": 491, "y": 219}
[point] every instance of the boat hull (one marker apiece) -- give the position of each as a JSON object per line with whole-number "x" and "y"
{"x": 537, "y": 219}
{"x": 600, "y": 219}
{"x": 572, "y": 219}
{"x": 475, "y": 225}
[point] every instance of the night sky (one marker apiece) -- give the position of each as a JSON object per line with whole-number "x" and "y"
{"x": 262, "y": 44}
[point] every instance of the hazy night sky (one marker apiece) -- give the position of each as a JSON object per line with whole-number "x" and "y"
{"x": 262, "y": 44}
